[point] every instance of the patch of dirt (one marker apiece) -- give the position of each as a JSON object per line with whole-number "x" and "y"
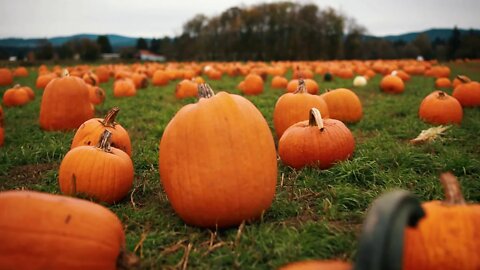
{"x": 27, "y": 174}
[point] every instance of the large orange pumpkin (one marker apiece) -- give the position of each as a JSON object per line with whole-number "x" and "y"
{"x": 468, "y": 94}
{"x": 6, "y": 77}
{"x": 294, "y": 107}
{"x": 316, "y": 142}
{"x": 344, "y": 105}
{"x": 448, "y": 238}
{"x": 101, "y": 172}
{"x": 45, "y": 231}
{"x": 392, "y": 84}
{"x": 224, "y": 169}
{"x": 89, "y": 132}
{"x": 65, "y": 104}
{"x": 440, "y": 108}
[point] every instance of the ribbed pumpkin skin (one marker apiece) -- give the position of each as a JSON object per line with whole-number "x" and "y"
{"x": 65, "y": 104}
{"x": 448, "y": 238}
{"x": 317, "y": 265}
{"x": 90, "y": 171}
{"x": 43, "y": 231}
{"x": 440, "y": 108}
{"x": 304, "y": 145}
{"x": 90, "y": 131}
{"x": 218, "y": 162}
{"x": 344, "y": 105}
{"x": 468, "y": 94}
{"x": 292, "y": 108}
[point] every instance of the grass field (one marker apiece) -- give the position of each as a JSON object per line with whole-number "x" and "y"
{"x": 315, "y": 214}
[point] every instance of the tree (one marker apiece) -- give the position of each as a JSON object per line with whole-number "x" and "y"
{"x": 453, "y": 43}
{"x": 142, "y": 44}
{"x": 45, "y": 50}
{"x": 424, "y": 46}
{"x": 104, "y": 44}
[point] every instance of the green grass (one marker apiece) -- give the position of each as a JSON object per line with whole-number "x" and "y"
{"x": 315, "y": 214}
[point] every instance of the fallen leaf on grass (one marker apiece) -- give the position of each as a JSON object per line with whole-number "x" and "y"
{"x": 429, "y": 135}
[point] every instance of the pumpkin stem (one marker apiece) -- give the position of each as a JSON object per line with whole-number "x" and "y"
{"x": 316, "y": 119}
{"x": 452, "y": 190}
{"x": 105, "y": 141}
{"x": 441, "y": 94}
{"x": 65, "y": 73}
{"x": 205, "y": 91}
{"x": 16, "y": 86}
{"x": 90, "y": 75}
{"x": 301, "y": 88}
{"x": 109, "y": 120}
{"x": 463, "y": 78}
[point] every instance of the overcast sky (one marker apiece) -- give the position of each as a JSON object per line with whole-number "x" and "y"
{"x": 157, "y": 18}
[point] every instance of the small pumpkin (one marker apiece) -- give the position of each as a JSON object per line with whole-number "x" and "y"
{"x": 459, "y": 80}
{"x": 360, "y": 81}
{"x": 186, "y": 88}
{"x": 91, "y": 78}
{"x": 124, "y": 88}
{"x": 102, "y": 172}
{"x": 160, "y": 78}
{"x": 2, "y": 127}
{"x": 20, "y": 72}
{"x": 316, "y": 142}
{"x": 241, "y": 154}
{"x": 440, "y": 108}
{"x": 294, "y": 107}
{"x": 344, "y": 105}
{"x": 36, "y": 227}
{"x": 252, "y": 85}
{"x": 43, "y": 80}
{"x": 103, "y": 74}
{"x": 279, "y": 82}
{"x": 468, "y": 93}
{"x": 311, "y": 86}
{"x": 443, "y": 83}
{"x": 16, "y": 96}
{"x": 448, "y": 238}
{"x": 96, "y": 94}
{"x": 65, "y": 104}
{"x": 89, "y": 132}
{"x": 6, "y": 77}
{"x": 140, "y": 80}
{"x": 392, "y": 84}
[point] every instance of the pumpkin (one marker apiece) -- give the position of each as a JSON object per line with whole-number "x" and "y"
{"x": 91, "y": 79}
{"x": 30, "y": 92}
{"x": 6, "y": 77}
{"x": 468, "y": 93}
{"x": 316, "y": 142}
{"x": 279, "y": 82}
{"x": 43, "y": 80}
{"x": 124, "y": 88}
{"x": 317, "y": 265}
{"x": 459, "y": 80}
{"x": 443, "y": 83}
{"x": 186, "y": 88}
{"x": 35, "y": 228}
{"x": 232, "y": 173}
{"x": 20, "y": 72}
{"x": 65, "y": 104}
{"x": 440, "y": 108}
{"x": 402, "y": 75}
{"x": 140, "y": 80}
{"x": 103, "y": 74}
{"x": 102, "y": 172}
{"x": 252, "y": 85}
{"x": 160, "y": 78}
{"x": 96, "y": 94}
{"x": 311, "y": 86}
{"x": 89, "y": 132}
{"x": 2, "y": 127}
{"x": 359, "y": 81}
{"x": 448, "y": 238}
{"x": 344, "y": 105}
{"x": 392, "y": 84}
{"x": 16, "y": 96}
{"x": 295, "y": 107}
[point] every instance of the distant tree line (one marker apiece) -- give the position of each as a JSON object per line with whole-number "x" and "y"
{"x": 272, "y": 31}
